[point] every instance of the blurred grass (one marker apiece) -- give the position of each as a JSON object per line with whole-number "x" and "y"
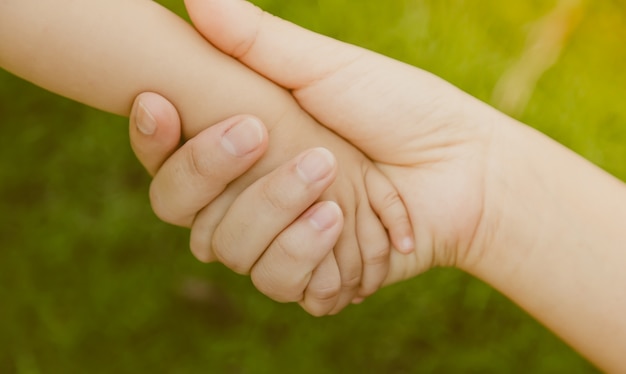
{"x": 92, "y": 282}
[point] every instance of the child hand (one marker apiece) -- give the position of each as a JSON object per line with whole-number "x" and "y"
{"x": 188, "y": 182}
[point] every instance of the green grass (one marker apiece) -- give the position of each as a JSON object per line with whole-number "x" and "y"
{"x": 92, "y": 282}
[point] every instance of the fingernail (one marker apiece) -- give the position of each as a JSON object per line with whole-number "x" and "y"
{"x": 316, "y": 165}
{"x": 146, "y": 124}
{"x": 325, "y": 216}
{"x": 406, "y": 245}
{"x": 243, "y": 138}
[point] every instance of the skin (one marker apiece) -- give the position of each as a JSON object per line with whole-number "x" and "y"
{"x": 103, "y": 53}
{"x": 157, "y": 147}
{"x": 543, "y": 227}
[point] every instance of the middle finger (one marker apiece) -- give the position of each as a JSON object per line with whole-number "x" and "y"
{"x": 262, "y": 211}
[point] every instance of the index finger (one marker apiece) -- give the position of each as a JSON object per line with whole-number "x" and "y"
{"x": 202, "y": 168}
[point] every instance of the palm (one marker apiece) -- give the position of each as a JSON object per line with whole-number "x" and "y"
{"x": 422, "y": 141}
{"x": 444, "y": 201}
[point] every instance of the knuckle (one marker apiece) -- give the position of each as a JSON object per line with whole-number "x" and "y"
{"x": 377, "y": 255}
{"x": 350, "y": 269}
{"x": 324, "y": 293}
{"x": 351, "y": 281}
{"x": 277, "y": 198}
{"x": 400, "y": 221}
{"x": 247, "y": 43}
{"x": 222, "y": 246}
{"x": 366, "y": 291}
{"x": 272, "y": 288}
{"x": 372, "y": 285}
{"x": 285, "y": 248}
{"x": 197, "y": 160}
{"x": 351, "y": 273}
{"x": 166, "y": 211}
{"x": 391, "y": 199}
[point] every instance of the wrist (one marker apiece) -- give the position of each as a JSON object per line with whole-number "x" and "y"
{"x": 551, "y": 239}
{"x": 509, "y": 195}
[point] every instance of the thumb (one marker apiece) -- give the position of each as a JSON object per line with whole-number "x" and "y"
{"x": 356, "y": 93}
{"x": 154, "y": 130}
{"x": 242, "y": 30}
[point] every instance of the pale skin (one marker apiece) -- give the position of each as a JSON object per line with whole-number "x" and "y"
{"x": 104, "y": 52}
{"x": 545, "y": 227}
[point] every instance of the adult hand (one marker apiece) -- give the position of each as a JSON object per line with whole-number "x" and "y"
{"x": 431, "y": 139}
{"x": 188, "y": 178}
{"x": 545, "y": 227}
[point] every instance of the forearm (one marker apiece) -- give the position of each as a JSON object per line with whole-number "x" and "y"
{"x": 557, "y": 241}
{"x": 104, "y": 53}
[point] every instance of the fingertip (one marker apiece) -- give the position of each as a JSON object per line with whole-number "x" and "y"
{"x": 154, "y": 130}
{"x": 405, "y": 244}
{"x": 244, "y": 135}
{"x": 386, "y": 201}
{"x": 159, "y": 110}
{"x": 143, "y": 119}
{"x": 400, "y": 230}
{"x": 324, "y": 288}
{"x": 325, "y": 215}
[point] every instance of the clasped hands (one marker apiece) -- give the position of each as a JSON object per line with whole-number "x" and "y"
{"x": 432, "y": 141}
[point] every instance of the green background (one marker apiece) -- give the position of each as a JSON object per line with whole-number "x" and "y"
{"x": 92, "y": 282}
